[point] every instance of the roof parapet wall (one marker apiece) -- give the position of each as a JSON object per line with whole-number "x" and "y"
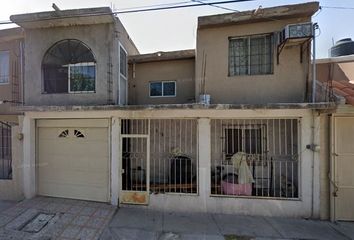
{"x": 84, "y": 16}
{"x": 163, "y": 56}
{"x": 11, "y": 34}
{"x": 260, "y": 15}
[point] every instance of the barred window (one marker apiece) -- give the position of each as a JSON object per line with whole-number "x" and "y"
{"x": 252, "y": 55}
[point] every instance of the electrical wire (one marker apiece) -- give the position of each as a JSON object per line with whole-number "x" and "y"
{"x": 341, "y": 8}
{"x": 136, "y": 10}
{"x": 155, "y": 5}
{"x": 216, "y": 6}
{"x": 320, "y": 10}
{"x": 199, "y": 4}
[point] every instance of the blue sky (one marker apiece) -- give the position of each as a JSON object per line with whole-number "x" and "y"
{"x": 176, "y": 29}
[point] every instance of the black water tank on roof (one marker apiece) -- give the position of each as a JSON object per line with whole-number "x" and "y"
{"x": 343, "y": 47}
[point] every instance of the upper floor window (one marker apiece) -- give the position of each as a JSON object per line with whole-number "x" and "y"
{"x": 4, "y": 67}
{"x": 251, "y": 55}
{"x": 163, "y": 89}
{"x": 69, "y": 66}
{"x": 123, "y": 61}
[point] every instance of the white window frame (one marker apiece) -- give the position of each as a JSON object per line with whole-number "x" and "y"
{"x": 81, "y": 64}
{"x": 162, "y": 83}
{"x": 121, "y": 47}
{"x": 8, "y": 76}
{"x": 249, "y": 54}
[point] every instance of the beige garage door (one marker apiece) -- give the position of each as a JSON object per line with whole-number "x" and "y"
{"x": 344, "y": 168}
{"x": 73, "y": 159}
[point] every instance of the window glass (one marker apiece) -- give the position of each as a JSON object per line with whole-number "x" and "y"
{"x": 250, "y": 55}
{"x": 73, "y": 54}
{"x": 169, "y": 88}
{"x": 4, "y": 66}
{"x": 238, "y": 56}
{"x": 82, "y": 78}
{"x": 123, "y": 62}
{"x": 156, "y": 89}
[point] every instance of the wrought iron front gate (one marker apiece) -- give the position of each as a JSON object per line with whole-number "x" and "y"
{"x": 5, "y": 151}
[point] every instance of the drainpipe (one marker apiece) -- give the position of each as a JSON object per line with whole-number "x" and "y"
{"x": 315, "y": 26}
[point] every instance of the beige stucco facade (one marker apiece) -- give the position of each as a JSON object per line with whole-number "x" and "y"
{"x": 142, "y": 74}
{"x": 11, "y": 41}
{"x": 287, "y": 84}
{"x": 103, "y": 35}
{"x": 12, "y": 189}
{"x": 98, "y": 38}
{"x": 308, "y": 205}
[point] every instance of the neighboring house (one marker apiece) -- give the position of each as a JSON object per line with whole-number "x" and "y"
{"x": 336, "y": 83}
{"x": 11, "y": 77}
{"x": 169, "y": 148}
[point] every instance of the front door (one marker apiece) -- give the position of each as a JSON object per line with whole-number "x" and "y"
{"x": 343, "y": 166}
{"x": 135, "y": 169}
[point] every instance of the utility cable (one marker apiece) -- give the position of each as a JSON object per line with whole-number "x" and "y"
{"x": 199, "y": 4}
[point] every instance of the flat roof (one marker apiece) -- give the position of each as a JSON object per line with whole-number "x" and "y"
{"x": 260, "y": 15}
{"x": 83, "y": 16}
{"x": 341, "y": 59}
{"x": 162, "y": 56}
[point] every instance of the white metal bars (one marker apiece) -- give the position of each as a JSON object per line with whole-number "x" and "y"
{"x": 173, "y": 159}
{"x": 270, "y": 150}
{"x": 173, "y": 155}
{"x": 134, "y": 147}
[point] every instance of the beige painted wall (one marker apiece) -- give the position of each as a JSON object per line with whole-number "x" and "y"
{"x": 12, "y": 189}
{"x": 286, "y": 85}
{"x": 129, "y": 46}
{"x": 9, "y": 91}
{"x": 101, "y": 38}
{"x": 324, "y": 155}
{"x": 201, "y": 202}
{"x": 181, "y": 71}
{"x": 330, "y": 71}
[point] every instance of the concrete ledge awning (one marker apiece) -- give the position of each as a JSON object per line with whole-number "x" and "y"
{"x": 261, "y": 15}
{"x": 162, "y": 56}
{"x": 315, "y": 106}
{"x": 62, "y": 18}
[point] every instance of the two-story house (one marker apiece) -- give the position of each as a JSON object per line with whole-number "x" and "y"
{"x": 223, "y": 128}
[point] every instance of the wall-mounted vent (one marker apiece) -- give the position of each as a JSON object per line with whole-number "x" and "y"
{"x": 78, "y": 134}
{"x": 64, "y": 133}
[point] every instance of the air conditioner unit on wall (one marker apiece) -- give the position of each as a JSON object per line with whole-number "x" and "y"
{"x": 299, "y": 30}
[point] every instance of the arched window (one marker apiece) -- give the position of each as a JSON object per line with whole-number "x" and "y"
{"x": 69, "y": 66}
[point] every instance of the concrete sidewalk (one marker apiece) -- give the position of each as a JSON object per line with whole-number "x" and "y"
{"x": 140, "y": 223}
{"x": 4, "y": 205}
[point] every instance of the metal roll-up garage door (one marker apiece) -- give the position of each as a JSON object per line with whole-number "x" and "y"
{"x": 73, "y": 159}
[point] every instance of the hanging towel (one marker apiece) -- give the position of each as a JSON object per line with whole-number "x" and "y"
{"x": 239, "y": 162}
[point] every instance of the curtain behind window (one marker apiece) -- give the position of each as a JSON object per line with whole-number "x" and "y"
{"x": 238, "y": 56}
